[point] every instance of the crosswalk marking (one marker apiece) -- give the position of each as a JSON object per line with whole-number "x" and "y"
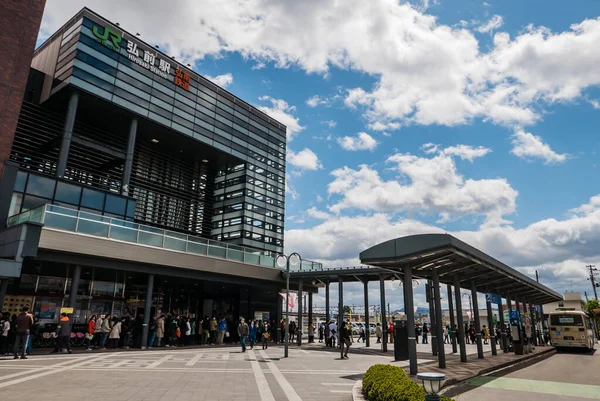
{"x": 157, "y": 363}
{"x": 195, "y": 359}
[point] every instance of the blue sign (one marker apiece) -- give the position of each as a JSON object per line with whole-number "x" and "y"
{"x": 493, "y": 298}
{"x": 513, "y": 315}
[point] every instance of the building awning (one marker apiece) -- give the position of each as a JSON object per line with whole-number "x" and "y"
{"x": 450, "y": 256}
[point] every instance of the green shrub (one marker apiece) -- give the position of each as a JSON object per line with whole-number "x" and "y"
{"x": 390, "y": 383}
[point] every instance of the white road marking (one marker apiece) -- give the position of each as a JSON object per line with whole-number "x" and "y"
{"x": 120, "y": 363}
{"x": 184, "y": 370}
{"x": 263, "y": 386}
{"x": 193, "y": 361}
{"x": 283, "y": 383}
{"x": 157, "y": 363}
{"x": 36, "y": 369}
{"x": 49, "y": 372}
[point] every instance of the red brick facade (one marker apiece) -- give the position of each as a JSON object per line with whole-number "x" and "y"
{"x": 19, "y": 26}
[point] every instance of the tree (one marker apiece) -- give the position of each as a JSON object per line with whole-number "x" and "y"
{"x": 347, "y": 310}
{"x": 592, "y": 307}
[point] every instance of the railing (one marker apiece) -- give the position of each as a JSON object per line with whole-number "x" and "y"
{"x": 65, "y": 219}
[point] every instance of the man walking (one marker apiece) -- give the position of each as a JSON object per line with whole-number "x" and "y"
{"x": 243, "y": 333}
{"x": 24, "y": 324}
{"x": 222, "y": 330}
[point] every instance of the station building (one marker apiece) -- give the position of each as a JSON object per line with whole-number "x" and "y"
{"x": 143, "y": 183}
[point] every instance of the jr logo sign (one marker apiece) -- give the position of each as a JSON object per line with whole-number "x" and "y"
{"x": 108, "y": 37}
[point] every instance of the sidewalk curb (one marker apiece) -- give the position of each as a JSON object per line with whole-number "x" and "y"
{"x": 357, "y": 394}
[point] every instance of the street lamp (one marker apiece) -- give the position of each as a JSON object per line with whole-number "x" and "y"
{"x": 295, "y": 260}
{"x": 432, "y": 382}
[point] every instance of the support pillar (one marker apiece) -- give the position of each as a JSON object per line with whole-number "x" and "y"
{"x": 459, "y": 320}
{"x": 367, "y": 327}
{"x": 477, "y": 322}
{"x": 279, "y": 319}
{"x": 384, "y": 328}
{"x": 300, "y": 310}
{"x": 502, "y": 327}
{"x": 65, "y": 144}
{"x": 437, "y": 299}
{"x": 533, "y": 328}
{"x": 310, "y": 313}
{"x": 147, "y": 309}
{"x": 432, "y": 320}
{"x": 129, "y": 156}
{"x": 409, "y": 309}
{"x": 3, "y": 289}
{"x": 74, "y": 286}
{"x": 340, "y": 321}
{"x": 491, "y": 327}
{"x": 452, "y": 322}
{"x": 327, "y": 302}
{"x": 509, "y": 306}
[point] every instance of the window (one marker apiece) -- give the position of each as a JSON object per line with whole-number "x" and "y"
{"x": 31, "y": 202}
{"x": 40, "y": 186}
{"x": 68, "y": 193}
{"x": 92, "y": 199}
{"x": 51, "y": 285}
{"x": 20, "y": 182}
{"x": 566, "y": 320}
{"x": 115, "y": 205}
{"x": 15, "y": 204}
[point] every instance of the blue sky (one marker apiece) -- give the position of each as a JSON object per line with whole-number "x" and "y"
{"x": 505, "y": 94}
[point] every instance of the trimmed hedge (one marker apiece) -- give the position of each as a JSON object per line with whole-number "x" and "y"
{"x": 390, "y": 383}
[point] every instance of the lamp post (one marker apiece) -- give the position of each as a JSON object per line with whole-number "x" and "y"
{"x": 432, "y": 382}
{"x": 295, "y": 260}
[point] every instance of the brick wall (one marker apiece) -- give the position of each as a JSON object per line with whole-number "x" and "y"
{"x": 19, "y": 26}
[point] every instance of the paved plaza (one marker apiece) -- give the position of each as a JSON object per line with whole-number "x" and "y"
{"x": 311, "y": 372}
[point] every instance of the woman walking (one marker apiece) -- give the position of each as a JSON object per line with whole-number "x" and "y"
{"x": 265, "y": 336}
{"x": 252, "y": 329}
{"x": 115, "y": 333}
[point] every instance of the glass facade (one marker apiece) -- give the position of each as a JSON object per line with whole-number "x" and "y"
{"x": 247, "y": 206}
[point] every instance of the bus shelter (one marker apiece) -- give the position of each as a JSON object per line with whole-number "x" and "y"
{"x": 439, "y": 259}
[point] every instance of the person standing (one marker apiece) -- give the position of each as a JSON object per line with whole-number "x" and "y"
{"x": 361, "y": 333}
{"x": 485, "y": 332}
{"x": 23, "y": 329}
{"x": 378, "y": 333}
{"x": 265, "y": 336}
{"x": 152, "y": 332}
{"x": 345, "y": 338}
{"x": 311, "y": 332}
{"x": 89, "y": 336}
{"x": 321, "y": 332}
{"x": 105, "y": 331}
{"x": 332, "y": 333}
{"x": 4, "y": 330}
{"x": 126, "y": 327}
{"x": 292, "y": 330}
{"x": 425, "y": 331}
{"x": 243, "y": 333}
{"x": 63, "y": 331}
{"x": 213, "y": 331}
{"x": 160, "y": 330}
{"x": 98, "y": 331}
{"x": 252, "y": 330}
{"x": 391, "y": 331}
{"x": 417, "y": 332}
{"x": 222, "y": 330}
{"x": 327, "y": 333}
{"x": 115, "y": 333}
{"x": 445, "y": 334}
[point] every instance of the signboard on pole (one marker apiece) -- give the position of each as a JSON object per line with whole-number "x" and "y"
{"x": 493, "y": 298}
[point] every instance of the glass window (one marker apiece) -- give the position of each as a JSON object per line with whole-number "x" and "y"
{"x": 15, "y": 204}
{"x": 31, "y": 202}
{"x": 67, "y": 193}
{"x": 51, "y": 285}
{"x": 46, "y": 308}
{"x": 115, "y": 204}
{"x": 27, "y": 283}
{"x": 103, "y": 289}
{"x": 40, "y": 186}
{"x": 130, "y": 208}
{"x": 20, "y": 182}
{"x": 92, "y": 199}
{"x": 566, "y": 320}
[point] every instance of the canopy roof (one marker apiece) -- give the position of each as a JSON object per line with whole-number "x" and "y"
{"x": 450, "y": 256}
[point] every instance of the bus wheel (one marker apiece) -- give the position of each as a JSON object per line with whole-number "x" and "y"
{"x": 558, "y": 350}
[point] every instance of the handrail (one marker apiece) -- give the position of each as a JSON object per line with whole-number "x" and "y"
{"x": 71, "y": 220}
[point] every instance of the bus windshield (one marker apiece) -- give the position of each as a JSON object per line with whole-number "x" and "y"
{"x": 566, "y": 320}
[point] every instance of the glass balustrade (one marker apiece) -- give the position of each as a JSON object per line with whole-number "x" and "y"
{"x": 65, "y": 219}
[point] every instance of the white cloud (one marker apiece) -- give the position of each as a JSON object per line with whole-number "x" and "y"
{"x": 306, "y": 159}
{"x": 329, "y": 123}
{"x": 281, "y": 111}
{"x": 595, "y": 104}
{"x": 289, "y": 189}
{"x": 486, "y": 4}
{"x": 558, "y": 249}
{"x": 491, "y": 25}
{"x": 314, "y": 101}
{"x": 223, "y": 80}
{"x": 389, "y": 126}
{"x": 318, "y": 214}
{"x": 430, "y": 184}
{"x": 319, "y": 198}
{"x": 362, "y": 141}
{"x": 528, "y": 146}
{"x": 425, "y": 72}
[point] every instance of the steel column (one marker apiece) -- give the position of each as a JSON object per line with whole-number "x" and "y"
{"x": 67, "y": 134}
{"x": 384, "y": 328}
{"x": 327, "y": 302}
{"x": 74, "y": 286}
{"x": 491, "y": 327}
{"x": 129, "y": 156}
{"x": 300, "y": 306}
{"x": 310, "y": 306}
{"x": 410, "y": 318}
{"x": 477, "y": 322}
{"x": 367, "y": 327}
{"x": 340, "y": 321}
{"x": 147, "y": 310}
{"x": 502, "y": 327}
{"x": 432, "y": 320}
{"x": 459, "y": 320}
{"x": 452, "y": 322}
{"x": 438, "y": 318}
{"x": 533, "y": 328}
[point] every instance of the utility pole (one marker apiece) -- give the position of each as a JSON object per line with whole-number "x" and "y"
{"x": 592, "y": 278}
{"x": 586, "y": 297}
